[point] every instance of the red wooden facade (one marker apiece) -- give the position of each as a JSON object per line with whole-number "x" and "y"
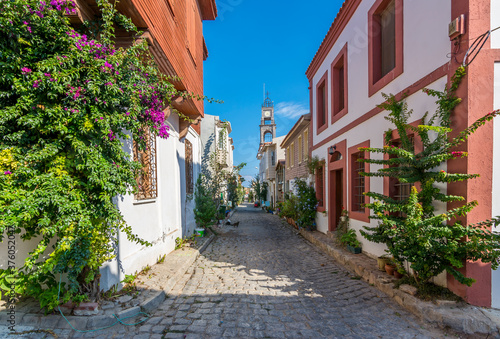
{"x": 174, "y": 31}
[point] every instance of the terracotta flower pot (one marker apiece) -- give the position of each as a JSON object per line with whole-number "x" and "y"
{"x": 390, "y": 269}
{"x": 397, "y": 275}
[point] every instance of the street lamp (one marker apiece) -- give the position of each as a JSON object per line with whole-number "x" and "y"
{"x": 332, "y": 149}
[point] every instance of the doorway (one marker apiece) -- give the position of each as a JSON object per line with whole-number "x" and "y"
{"x": 336, "y": 197}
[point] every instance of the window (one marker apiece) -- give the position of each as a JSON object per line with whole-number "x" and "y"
{"x": 358, "y": 182}
{"x": 320, "y": 187}
{"x": 339, "y": 85}
{"x": 188, "y": 147}
{"x": 268, "y": 137}
{"x": 400, "y": 190}
{"x": 301, "y": 149}
{"x": 273, "y": 159}
{"x": 287, "y": 157}
{"x": 146, "y": 181}
{"x": 321, "y": 104}
{"x": 385, "y": 21}
{"x": 306, "y": 144}
{"x": 267, "y": 122}
{"x": 292, "y": 154}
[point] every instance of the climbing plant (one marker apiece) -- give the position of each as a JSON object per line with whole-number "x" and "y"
{"x": 412, "y": 229}
{"x": 70, "y": 105}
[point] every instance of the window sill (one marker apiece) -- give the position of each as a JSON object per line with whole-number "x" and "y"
{"x": 360, "y": 216}
{"x": 321, "y": 128}
{"x": 145, "y": 201}
{"x": 337, "y": 116}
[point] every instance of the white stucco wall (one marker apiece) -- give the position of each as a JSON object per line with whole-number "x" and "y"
{"x": 161, "y": 220}
{"x": 495, "y": 22}
{"x": 495, "y": 199}
{"x": 418, "y": 60}
{"x": 425, "y": 45}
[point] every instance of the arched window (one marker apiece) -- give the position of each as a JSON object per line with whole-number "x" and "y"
{"x": 268, "y": 137}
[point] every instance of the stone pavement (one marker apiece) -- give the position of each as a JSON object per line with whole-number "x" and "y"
{"x": 263, "y": 280}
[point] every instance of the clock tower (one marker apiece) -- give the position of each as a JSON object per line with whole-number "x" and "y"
{"x": 267, "y": 125}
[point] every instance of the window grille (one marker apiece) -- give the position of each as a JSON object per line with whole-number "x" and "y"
{"x": 146, "y": 180}
{"x": 401, "y": 190}
{"x": 358, "y": 183}
{"x": 189, "y": 167}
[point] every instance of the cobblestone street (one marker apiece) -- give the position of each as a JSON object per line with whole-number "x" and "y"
{"x": 262, "y": 280}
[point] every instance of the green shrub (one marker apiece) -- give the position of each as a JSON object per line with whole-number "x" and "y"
{"x": 307, "y": 203}
{"x": 411, "y": 229}
{"x": 205, "y": 208}
{"x": 69, "y": 100}
{"x": 349, "y": 238}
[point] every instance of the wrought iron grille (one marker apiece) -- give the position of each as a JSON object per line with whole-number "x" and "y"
{"x": 401, "y": 190}
{"x": 147, "y": 178}
{"x": 189, "y": 166}
{"x": 358, "y": 183}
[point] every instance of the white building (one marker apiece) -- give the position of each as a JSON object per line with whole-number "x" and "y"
{"x": 269, "y": 155}
{"x": 166, "y": 211}
{"x": 401, "y": 47}
{"x": 215, "y": 142}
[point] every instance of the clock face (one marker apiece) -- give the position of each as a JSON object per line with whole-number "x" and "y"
{"x": 267, "y": 114}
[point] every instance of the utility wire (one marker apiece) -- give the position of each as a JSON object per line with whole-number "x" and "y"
{"x": 476, "y": 47}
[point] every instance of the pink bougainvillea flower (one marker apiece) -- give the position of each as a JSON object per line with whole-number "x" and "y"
{"x": 457, "y": 154}
{"x": 7, "y": 172}
{"x": 36, "y": 84}
{"x": 25, "y": 70}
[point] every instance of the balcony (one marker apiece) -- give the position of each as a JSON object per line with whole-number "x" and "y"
{"x": 223, "y": 158}
{"x": 271, "y": 174}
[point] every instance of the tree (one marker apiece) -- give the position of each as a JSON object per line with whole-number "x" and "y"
{"x": 259, "y": 188}
{"x": 205, "y": 209}
{"x": 69, "y": 100}
{"x": 234, "y": 185}
{"x": 412, "y": 230}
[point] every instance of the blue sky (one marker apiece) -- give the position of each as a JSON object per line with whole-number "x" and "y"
{"x": 253, "y": 42}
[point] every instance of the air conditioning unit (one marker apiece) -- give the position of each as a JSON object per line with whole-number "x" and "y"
{"x": 456, "y": 28}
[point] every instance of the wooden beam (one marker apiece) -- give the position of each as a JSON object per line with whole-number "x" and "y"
{"x": 83, "y": 13}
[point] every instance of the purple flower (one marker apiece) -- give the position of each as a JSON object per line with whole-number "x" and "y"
{"x": 7, "y": 172}
{"x": 25, "y": 70}
{"x": 36, "y": 83}
{"x": 46, "y": 74}
{"x": 108, "y": 65}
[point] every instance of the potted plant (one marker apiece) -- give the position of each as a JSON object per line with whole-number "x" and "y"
{"x": 390, "y": 267}
{"x": 381, "y": 261}
{"x": 399, "y": 272}
{"x": 350, "y": 240}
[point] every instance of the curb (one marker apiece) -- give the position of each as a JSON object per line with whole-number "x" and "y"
{"x": 57, "y": 322}
{"x": 154, "y": 301}
{"x": 466, "y": 319}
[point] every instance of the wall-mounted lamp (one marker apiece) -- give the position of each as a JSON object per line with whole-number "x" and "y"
{"x": 332, "y": 149}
